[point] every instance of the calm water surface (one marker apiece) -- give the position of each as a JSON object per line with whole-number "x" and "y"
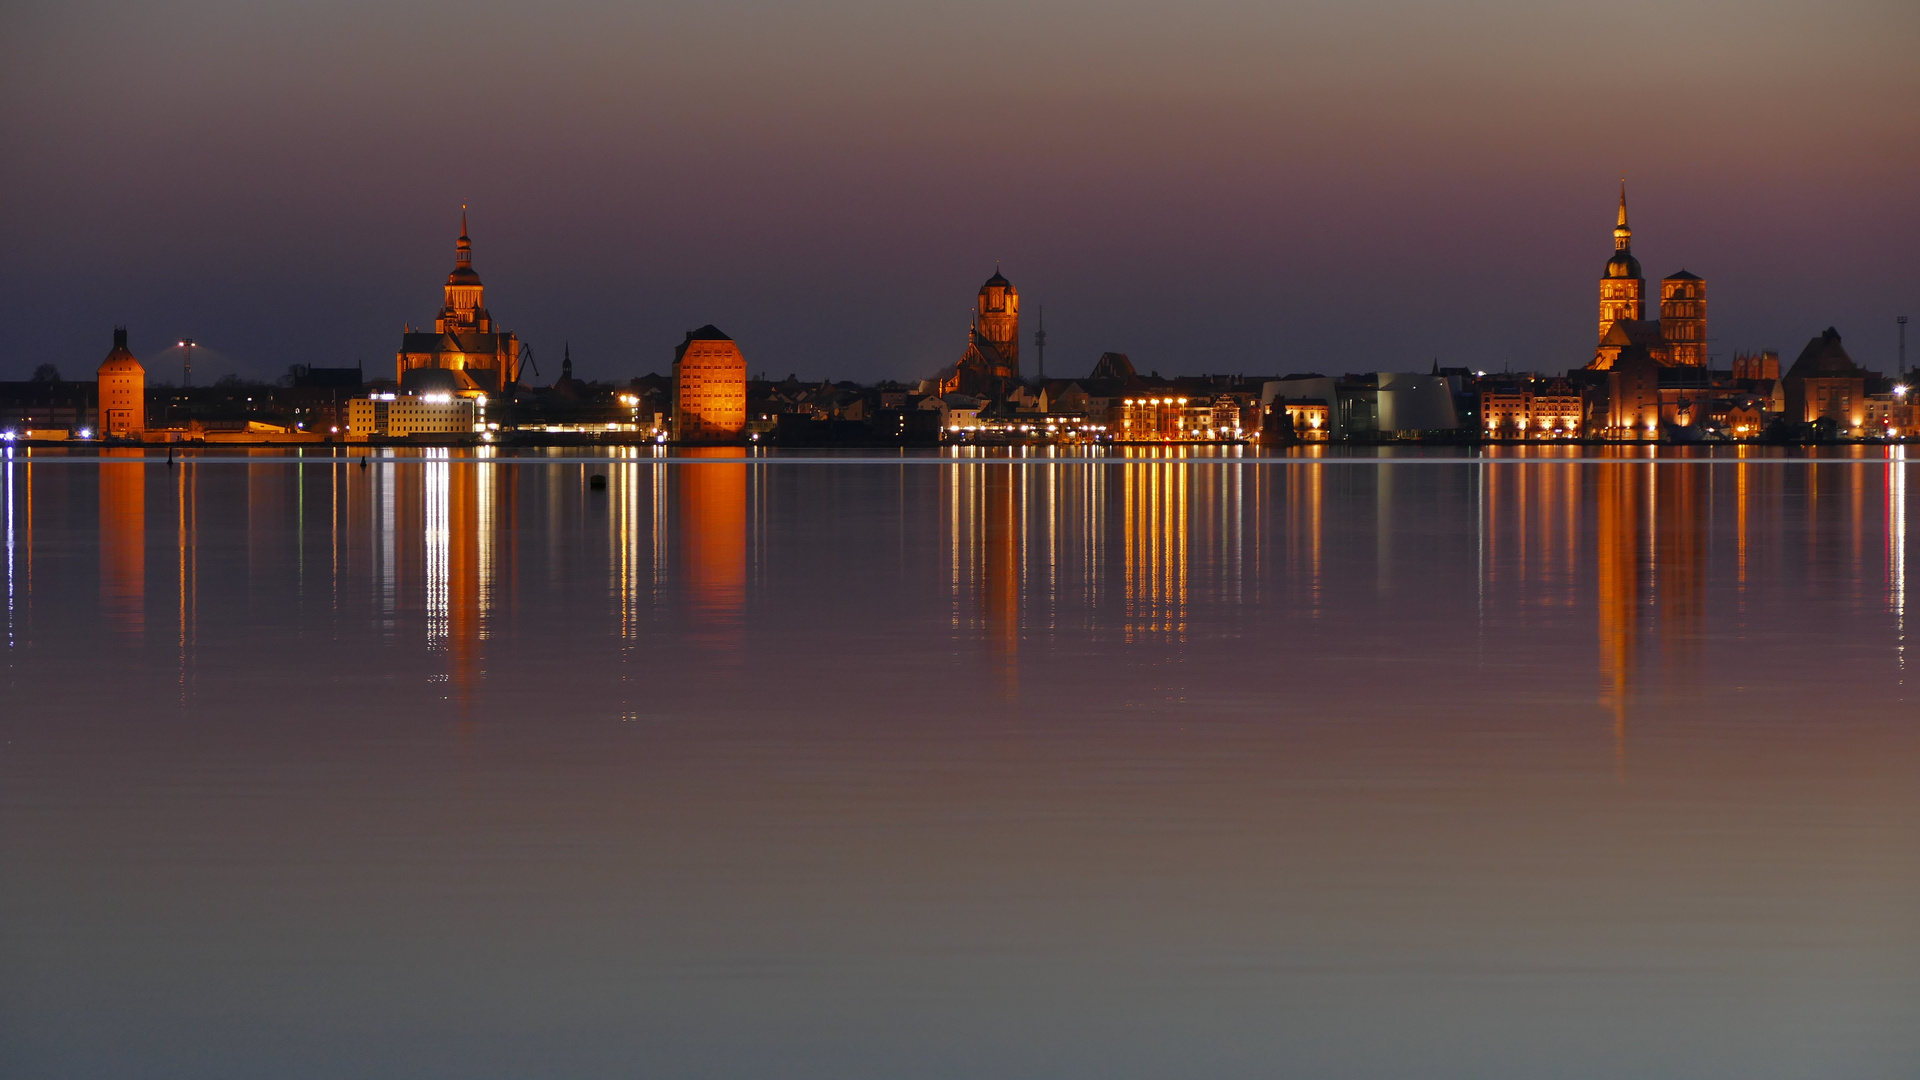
{"x": 438, "y": 768}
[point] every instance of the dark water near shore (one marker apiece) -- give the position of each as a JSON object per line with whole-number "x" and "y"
{"x": 451, "y": 769}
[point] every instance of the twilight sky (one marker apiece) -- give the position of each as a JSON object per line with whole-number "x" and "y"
{"x": 1211, "y": 185}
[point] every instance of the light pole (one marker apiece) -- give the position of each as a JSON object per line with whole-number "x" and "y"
{"x": 1902, "y": 321}
{"x": 186, "y": 378}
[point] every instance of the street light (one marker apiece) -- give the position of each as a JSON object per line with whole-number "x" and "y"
{"x": 186, "y": 379}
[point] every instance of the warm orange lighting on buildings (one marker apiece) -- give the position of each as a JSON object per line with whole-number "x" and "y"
{"x": 123, "y": 544}
{"x": 709, "y": 388}
{"x": 123, "y": 392}
{"x": 1678, "y": 338}
{"x": 465, "y": 341}
{"x": 1683, "y": 319}
{"x": 713, "y": 519}
{"x": 992, "y": 358}
{"x": 1622, "y": 286}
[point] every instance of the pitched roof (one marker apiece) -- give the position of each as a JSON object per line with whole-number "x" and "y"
{"x": 1629, "y": 332}
{"x": 1824, "y": 358}
{"x": 1112, "y": 365}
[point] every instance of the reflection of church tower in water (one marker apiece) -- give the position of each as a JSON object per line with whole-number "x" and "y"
{"x": 1651, "y": 548}
{"x": 1617, "y": 534}
{"x": 1679, "y": 567}
{"x": 986, "y": 559}
{"x": 1001, "y": 583}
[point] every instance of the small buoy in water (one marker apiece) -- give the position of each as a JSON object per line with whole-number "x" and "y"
{"x": 363, "y": 461}
{"x": 597, "y": 482}
{"x": 169, "y": 457}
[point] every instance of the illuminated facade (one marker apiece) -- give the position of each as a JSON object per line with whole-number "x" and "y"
{"x": 1677, "y": 338}
{"x": 992, "y": 359}
{"x": 483, "y": 358}
{"x": 1626, "y": 405}
{"x": 709, "y": 388}
{"x": 1549, "y": 410}
{"x": 123, "y": 392}
{"x": 1154, "y": 419}
{"x": 397, "y": 416}
{"x": 1306, "y": 418}
{"x": 1622, "y": 286}
{"x": 1683, "y": 319}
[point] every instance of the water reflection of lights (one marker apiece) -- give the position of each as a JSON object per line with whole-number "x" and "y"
{"x": 437, "y": 544}
{"x": 123, "y": 545}
{"x": 11, "y": 480}
{"x": 1897, "y": 553}
{"x": 1154, "y": 539}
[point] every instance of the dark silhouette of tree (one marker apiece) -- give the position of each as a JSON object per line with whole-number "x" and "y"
{"x": 46, "y": 373}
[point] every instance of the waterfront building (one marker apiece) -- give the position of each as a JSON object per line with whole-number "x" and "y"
{"x": 465, "y": 339}
{"x": 47, "y": 407}
{"x": 1412, "y": 402}
{"x": 1531, "y": 409}
{"x": 1153, "y": 418}
{"x": 399, "y": 416}
{"x": 1825, "y": 384}
{"x": 1623, "y": 402}
{"x": 123, "y": 392}
{"x": 709, "y": 388}
{"x": 1293, "y": 420}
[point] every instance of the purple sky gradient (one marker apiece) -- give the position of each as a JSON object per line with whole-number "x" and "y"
{"x": 1208, "y": 186}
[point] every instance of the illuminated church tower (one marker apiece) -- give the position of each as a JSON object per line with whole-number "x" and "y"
{"x": 465, "y": 310}
{"x": 465, "y": 341}
{"x": 1622, "y": 287}
{"x": 1683, "y": 319}
{"x": 996, "y": 326}
{"x": 992, "y": 359}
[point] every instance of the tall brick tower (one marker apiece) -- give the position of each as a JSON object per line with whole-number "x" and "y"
{"x": 1683, "y": 319}
{"x": 1622, "y": 286}
{"x": 996, "y": 326}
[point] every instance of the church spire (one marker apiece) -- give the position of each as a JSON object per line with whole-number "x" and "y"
{"x": 1622, "y": 234}
{"x": 463, "y": 248}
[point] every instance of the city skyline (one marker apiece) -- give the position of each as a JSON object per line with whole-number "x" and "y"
{"x": 1297, "y": 191}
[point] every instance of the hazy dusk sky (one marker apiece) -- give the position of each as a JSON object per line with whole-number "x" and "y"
{"x": 1214, "y": 185}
